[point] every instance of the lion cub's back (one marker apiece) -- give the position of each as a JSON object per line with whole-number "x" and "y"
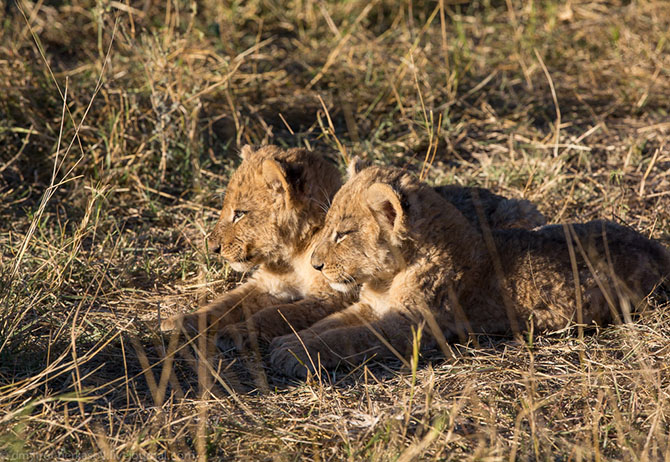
{"x": 624, "y": 262}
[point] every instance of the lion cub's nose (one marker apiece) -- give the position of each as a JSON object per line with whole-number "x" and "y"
{"x": 213, "y": 245}
{"x": 317, "y": 263}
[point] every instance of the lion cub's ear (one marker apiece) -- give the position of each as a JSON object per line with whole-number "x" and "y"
{"x": 246, "y": 151}
{"x": 274, "y": 175}
{"x": 355, "y": 165}
{"x": 385, "y": 205}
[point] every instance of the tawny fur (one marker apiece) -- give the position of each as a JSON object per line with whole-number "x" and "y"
{"x": 274, "y": 207}
{"x": 418, "y": 260}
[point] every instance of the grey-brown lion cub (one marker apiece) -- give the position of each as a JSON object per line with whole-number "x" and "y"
{"x": 418, "y": 259}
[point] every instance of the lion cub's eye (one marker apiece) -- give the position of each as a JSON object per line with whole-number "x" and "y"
{"x": 238, "y": 214}
{"x": 341, "y": 235}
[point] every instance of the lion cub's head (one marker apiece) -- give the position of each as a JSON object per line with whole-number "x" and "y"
{"x": 365, "y": 228}
{"x": 275, "y": 201}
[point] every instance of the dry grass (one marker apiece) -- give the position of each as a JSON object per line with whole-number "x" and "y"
{"x": 119, "y": 124}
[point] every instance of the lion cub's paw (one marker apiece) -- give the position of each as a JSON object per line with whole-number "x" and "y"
{"x": 172, "y": 323}
{"x": 187, "y": 323}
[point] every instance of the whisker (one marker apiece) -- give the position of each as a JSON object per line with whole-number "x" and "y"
{"x": 322, "y": 205}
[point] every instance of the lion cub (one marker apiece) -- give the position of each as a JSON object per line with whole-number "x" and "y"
{"x": 418, "y": 259}
{"x": 272, "y": 214}
{"x": 274, "y": 206}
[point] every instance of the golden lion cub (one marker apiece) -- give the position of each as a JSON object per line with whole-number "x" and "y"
{"x": 419, "y": 260}
{"x": 274, "y": 207}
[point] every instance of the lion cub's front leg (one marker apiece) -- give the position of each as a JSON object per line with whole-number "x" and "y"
{"x": 229, "y": 308}
{"x": 278, "y": 320}
{"x": 349, "y": 336}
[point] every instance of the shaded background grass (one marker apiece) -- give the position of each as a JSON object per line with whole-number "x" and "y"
{"x": 119, "y": 125}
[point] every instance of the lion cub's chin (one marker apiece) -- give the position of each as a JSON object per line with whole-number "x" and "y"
{"x": 241, "y": 266}
{"x": 342, "y": 286}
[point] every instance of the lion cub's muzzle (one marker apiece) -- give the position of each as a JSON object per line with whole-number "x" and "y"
{"x": 317, "y": 259}
{"x": 331, "y": 274}
{"x": 213, "y": 246}
{"x": 238, "y": 256}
